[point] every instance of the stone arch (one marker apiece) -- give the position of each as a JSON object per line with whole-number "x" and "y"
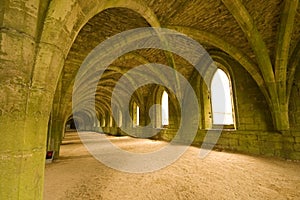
{"x": 293, "y": 63}
{"x": 61, "y": 14}
{"x": 157, "y": 100}
{"x": 234, "y": 69}
{"x": 59, "y": 33}
{"x": 234, "y": 52}
{"x": 174, "y": 107}
{"x": 221, "y": 69}
{"x": 62, "y": 23}
{"x": 135, "y": 113}
{"x": 226, "y": 67}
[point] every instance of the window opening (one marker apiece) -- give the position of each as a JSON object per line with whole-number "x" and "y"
{"x": 165, "y": 108}
{"x": 221, "y": 97}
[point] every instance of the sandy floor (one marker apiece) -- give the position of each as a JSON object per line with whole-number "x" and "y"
{"x": 77, "y": 175}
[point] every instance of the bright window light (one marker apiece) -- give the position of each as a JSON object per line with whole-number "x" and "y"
{"x": 221, "y": 99}
{"x": 137, "y": 115}
{"x": 165, "y": 109}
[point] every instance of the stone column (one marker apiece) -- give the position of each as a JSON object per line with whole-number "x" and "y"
{"x": 57, "y": 130}
{"x": 23, "y": 117}
{"x": 280, "y": 116}
{"x": 23, "y": 128}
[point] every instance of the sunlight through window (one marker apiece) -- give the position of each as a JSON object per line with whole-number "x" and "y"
{"x": 221, "y": 99}
{"x": 165, "y": 109}
{"x": 137, "y": 115}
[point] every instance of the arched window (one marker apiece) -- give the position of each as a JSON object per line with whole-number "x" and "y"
{"x": 165, "y": 108}
{"x": 137, "y": 115}
{"x": 221, "y": 97}
{"x": 110, "y": 121}
{"x": 120, "y": 118}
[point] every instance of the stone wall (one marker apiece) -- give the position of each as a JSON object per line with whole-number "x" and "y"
{"x": 251, "y": 108}
{"x": 43, "y": 43}
{"x": 253, "y": 132}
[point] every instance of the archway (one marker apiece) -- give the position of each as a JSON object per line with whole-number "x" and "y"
{"x": 222, "y": 99}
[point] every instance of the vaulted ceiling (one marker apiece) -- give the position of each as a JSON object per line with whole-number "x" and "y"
{"x": 248, "y": 31}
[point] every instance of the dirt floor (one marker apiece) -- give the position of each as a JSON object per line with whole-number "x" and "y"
{"x": 221, "y": 175}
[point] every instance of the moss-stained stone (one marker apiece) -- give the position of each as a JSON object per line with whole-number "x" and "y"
{"x": 289, "y": 139}
{"x": 294, "y": 156}
{"x": 43, "y": 43}
{"x": 254, "y": 150}
{"x": 233, "y": 143}
{"x": 297, "y": 147}
{"x": 23, "y": 177}
{"x": 248, "y": 143}
{"x": 297, "y": 139}
{"x": 243, "y": 149}
{"x": 270, "y": 137}
{"x": 22, "y": 156}
{"x": 267, "y": 151}
{"x": 21, "y": 16}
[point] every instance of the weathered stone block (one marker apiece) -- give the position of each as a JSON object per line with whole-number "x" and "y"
{"x": 288, "y": 147}
{"x": 295, "y": 133}
{"x": 297, "y": 139}
{"x": 289, "y": 139}
{"x": 270, "y": 137}
{"x": 278, "y": 153}
{"x": 277, "y": 145}
{"x": 248, "y": 137}
{"x": 242, "y": 148}
{"x": 247, "y": 120}
{"x": 294, "y": 155}
{"x": 231, "y": 135}
{"x": 267, "y": 151}
{"x": 21, "y": 16}
{"x": 297, "y": 147}
{"x": 223, "y": 142}
{"x": 254, "y": 150}
{"x": 248, "y": 143}
{"x": 233, "y": 142}
{"x": 270, "y": 145}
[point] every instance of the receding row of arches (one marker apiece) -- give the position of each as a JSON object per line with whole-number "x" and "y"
{"x": 45, "y": 44}
{"x": 221, "y": 101}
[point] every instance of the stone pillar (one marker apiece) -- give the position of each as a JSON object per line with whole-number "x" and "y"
{"x": 28, "y": 76}
{"x": 57, "y": 130}
{"x": 23, "y": 124}
{"x": 143, "y": 117}
{"x": 22, "y": 154}
{"x": 103, "y": 121}
{"x": 280, "y": 115}
{"x": 23, "y": 112}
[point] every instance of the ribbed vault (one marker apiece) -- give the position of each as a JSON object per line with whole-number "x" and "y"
{"x": 262, "y": 36}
